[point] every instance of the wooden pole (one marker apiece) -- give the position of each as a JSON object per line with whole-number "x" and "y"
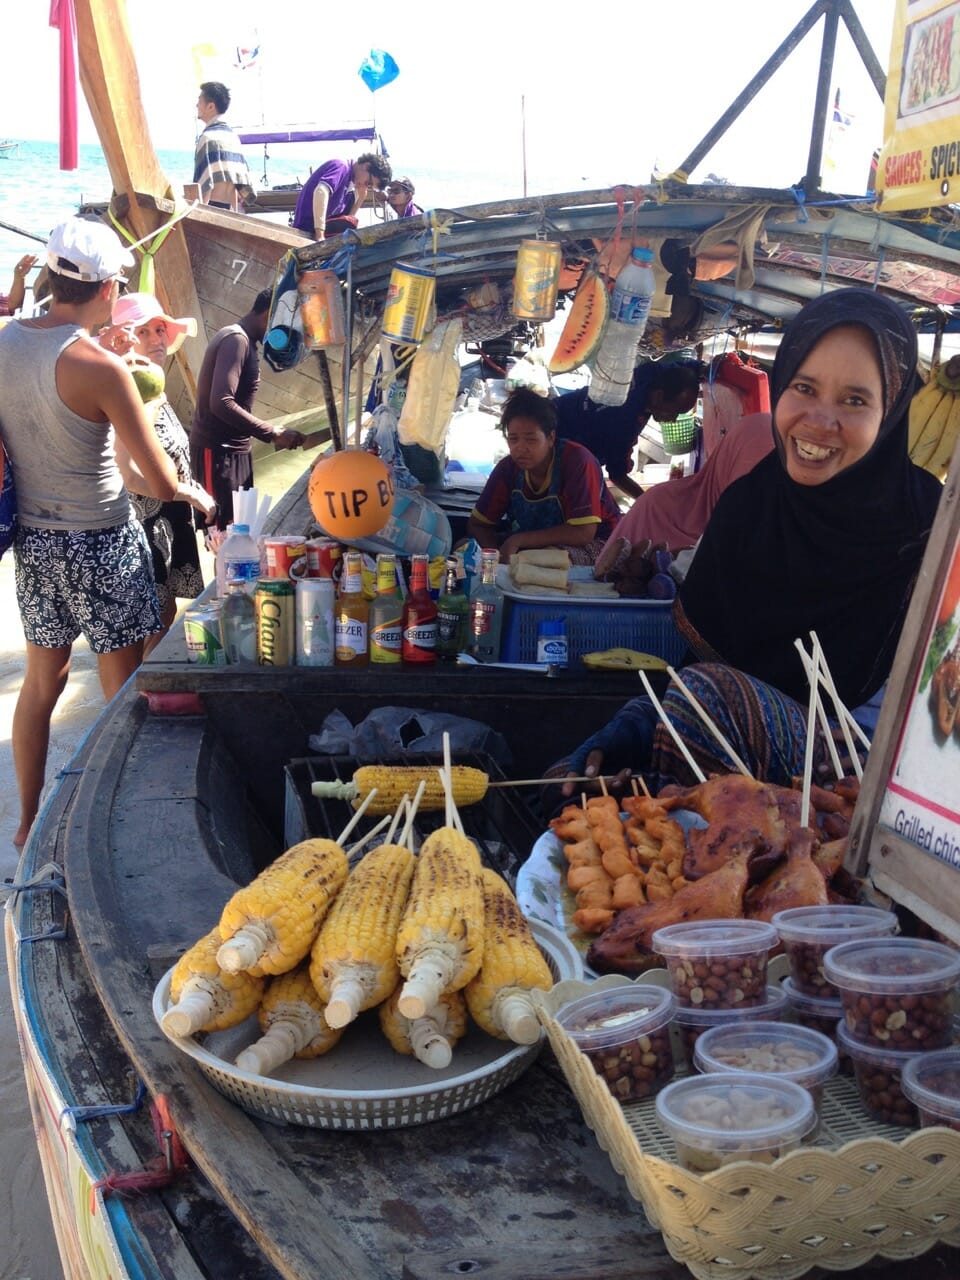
{"x": 111, "y": 86}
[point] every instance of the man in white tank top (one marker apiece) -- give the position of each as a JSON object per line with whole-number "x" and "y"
{"x": 81, "y": 559}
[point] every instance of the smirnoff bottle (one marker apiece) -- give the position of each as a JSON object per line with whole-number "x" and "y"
{"x": 486, "y": 611}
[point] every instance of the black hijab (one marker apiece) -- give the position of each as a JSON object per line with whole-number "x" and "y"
{"x": 780, "y": 559}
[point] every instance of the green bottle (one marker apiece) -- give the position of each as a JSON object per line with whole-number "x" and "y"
{"x": 453, "y": 613}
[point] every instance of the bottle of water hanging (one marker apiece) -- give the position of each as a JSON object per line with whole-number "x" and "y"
{"x": 614, "y": 363}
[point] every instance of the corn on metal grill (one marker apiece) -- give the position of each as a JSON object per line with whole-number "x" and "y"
{"x": 504, "y": 825}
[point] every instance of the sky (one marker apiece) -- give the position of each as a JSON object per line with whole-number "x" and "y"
{"x": 565, "y": 102}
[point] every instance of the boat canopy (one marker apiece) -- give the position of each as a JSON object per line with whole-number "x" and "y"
{"x": 348, "y": 133}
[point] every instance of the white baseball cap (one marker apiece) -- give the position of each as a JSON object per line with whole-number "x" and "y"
{"x": 84, "y": 250}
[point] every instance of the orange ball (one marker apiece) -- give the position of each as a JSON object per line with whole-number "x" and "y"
{"x": 351, "y": 494}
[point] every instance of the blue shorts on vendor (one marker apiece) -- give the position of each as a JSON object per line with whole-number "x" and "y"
{"x": 547, "y": 493}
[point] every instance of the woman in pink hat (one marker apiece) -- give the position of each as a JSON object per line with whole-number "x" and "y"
{"x": 146, "y": 337}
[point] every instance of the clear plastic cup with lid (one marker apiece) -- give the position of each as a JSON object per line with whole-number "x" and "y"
{"x": 716, "y": 964}
{"x": 718, "y": 1119}
{"x": 879, "y": 1076}
{"x": 625, "y": 1032}
{"x": 897, "y": 993}
{"x": 932, "y": 1083}
{"x": 692, "y": 1021}
{"x": 769, "y": 1048}
{"x": 807, "y": 933}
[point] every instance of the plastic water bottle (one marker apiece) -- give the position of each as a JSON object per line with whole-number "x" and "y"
{"x": 238, "y": 623}
{"x": 239, "y": 557}
{"x": 629, "y": 308}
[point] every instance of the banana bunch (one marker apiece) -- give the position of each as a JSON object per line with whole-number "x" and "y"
{"x": 623, "y": 660}
{"x": 935, "y": 419}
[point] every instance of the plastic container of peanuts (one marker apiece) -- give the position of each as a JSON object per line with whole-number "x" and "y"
{"x": 717, "y": 1119}
{"x": 716, "y": 964}
{"x": 625, "y": 1032}
{"x": 807, "y": 933}
{"x": 897, "y": 993}
{"x": 692, "y": 1021}
{"x": 878, "y": 1073}
{"x": 769, "y": 1048}
{"x": 932, "y": 1082}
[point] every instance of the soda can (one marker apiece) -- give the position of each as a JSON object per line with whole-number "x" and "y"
{"x": 323, "y": 558}
{"x": 536, "y": 279}
{"x": 315, "y": 630}
{"x": 204, "y": 635}
{"x": 285, "y": 557}
{"x": 276, "y": 622}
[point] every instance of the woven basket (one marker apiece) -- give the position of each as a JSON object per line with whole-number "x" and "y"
{"x": 680, "y": 435}
{"x": 834, "y": 1206}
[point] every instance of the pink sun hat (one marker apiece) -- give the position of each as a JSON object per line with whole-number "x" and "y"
{"x": 136, "y": 309}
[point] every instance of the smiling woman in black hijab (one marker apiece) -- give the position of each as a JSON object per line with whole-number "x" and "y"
{"x": 825, "y": 534}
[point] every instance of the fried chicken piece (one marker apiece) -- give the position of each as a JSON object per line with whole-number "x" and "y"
{"x": 798, "y": 883}
{"x": 596, "y": 893}
{"x": 580, "y": 875}
{"x": 626, "y": 946}
{"x": 829, "y": 857}
{"x": 583, "y": 853}
{"x": 571, "y": 823}
{"x": 628, "y": 892}
{"x": 593, "y": 919}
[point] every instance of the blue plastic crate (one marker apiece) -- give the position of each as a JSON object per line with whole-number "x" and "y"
{"x": 646, "y": 625}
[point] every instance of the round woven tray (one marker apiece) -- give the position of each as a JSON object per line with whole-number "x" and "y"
{"x": 363, "y": 1083}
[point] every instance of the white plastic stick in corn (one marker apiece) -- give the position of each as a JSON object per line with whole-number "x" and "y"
{"x": 367, "y": 800}
{"x": 713, "y": 728}
{"x": 682, "y": 746}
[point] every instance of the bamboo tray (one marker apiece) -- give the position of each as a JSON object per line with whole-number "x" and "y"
{"x": 863, "y": 1190}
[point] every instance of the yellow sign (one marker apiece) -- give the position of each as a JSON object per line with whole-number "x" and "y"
{"x": 919, "y": 165}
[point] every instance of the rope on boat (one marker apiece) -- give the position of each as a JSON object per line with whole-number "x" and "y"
{"x": 49, "y": 878}
{"x": 171, "y": 1161}
{"x": 97, "y": 1111}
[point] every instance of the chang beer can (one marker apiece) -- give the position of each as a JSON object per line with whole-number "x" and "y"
{"x": 536, "y": 279}
{"x": 274, "y": 603}
{"x": 204, "y": 635}
{"x": 409, "y": 303}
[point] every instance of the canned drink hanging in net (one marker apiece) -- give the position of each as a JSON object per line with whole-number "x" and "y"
{"x": 409, "y": 303}
{"x": 321, "y": 309}
{"x": 536, "y": 279}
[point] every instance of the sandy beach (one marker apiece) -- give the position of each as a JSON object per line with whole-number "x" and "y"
{"x": 28, "y": 1249}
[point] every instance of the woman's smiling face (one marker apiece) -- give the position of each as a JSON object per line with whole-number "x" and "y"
{"x": 829, "y": 415}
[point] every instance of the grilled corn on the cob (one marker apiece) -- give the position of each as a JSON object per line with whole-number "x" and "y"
{"x": 353, "y": 963}
{"x": 440, "y": 940}
{"x": 513, "y": 965}
{"x": 291, "y": 1018}
{"x": 203, "y": 997}
{"x": 431, "y": 1038}
{"x": 393, "y": 782}
{"x": 269, "y": 926}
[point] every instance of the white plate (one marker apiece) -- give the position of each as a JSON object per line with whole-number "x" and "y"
{"x": 363, "y": 1083}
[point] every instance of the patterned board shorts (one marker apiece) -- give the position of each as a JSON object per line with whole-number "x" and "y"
{"x": 95, "y": 581}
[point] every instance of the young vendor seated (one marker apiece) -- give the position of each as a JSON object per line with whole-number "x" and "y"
{"x": 546, "y": 493}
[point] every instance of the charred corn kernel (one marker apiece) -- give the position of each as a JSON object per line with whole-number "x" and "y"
{"x": 393, "y": 782}
{"x": 353, "y": 963}
{"x": 440, "y": 940}
{"x": 291, "y": 1018}
{"x": 431, "y": 1038}
{"x": 205, "y": 998}
{"x": 269, "y": 926}
{"x": 513, "y": 965}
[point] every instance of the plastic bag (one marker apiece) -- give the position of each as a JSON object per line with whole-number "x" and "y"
{"x": 388, "y": 733}
{"x": 432, "y": 388}
{"x": 381, "y": 438}
{"x": 530, "y": 372}
{"x": 283, "y": 345}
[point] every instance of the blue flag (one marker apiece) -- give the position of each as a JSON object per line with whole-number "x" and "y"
{"x": 377, "y": 69}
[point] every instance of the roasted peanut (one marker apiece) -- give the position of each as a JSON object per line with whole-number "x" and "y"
{"x": 718, "y": 983}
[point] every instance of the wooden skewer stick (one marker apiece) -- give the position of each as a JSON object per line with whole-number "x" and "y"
{"x": 684, "y": 750}
{"x": 702, "y": 713}
{"x": 356, "y": 817}
{"x": 643, "y": 784}
{"x": 842, "y": 714}
{"x": 412, "y": 807}
{"x": 368, "y": 837}
{"x": 825, "y": 729}
{"x": 808, "y": 750}
{"x": 546, "y": 782}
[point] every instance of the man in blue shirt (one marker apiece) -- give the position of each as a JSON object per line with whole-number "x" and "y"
{"x": 659, "y": 389}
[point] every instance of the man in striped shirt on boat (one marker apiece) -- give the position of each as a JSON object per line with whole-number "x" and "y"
{"x": 220, "y": 169}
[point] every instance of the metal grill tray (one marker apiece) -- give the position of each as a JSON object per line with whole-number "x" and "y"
{"x": 363, "y": 1083}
